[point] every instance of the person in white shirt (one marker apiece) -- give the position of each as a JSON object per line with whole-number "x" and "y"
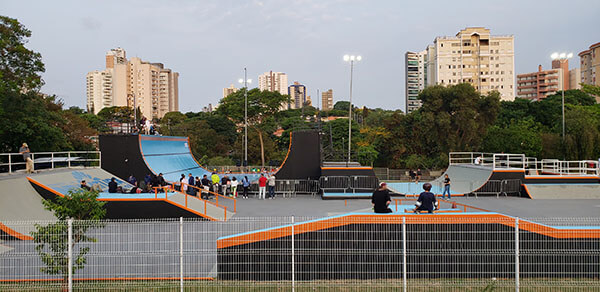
{"x": 183, "y": 182}
{"x": 271, "y": 184}
{"x": 478, "y": 160}
{"x": 234, "y": 184}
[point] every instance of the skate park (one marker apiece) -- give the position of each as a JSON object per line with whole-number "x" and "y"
{"x": 329, "y": 202}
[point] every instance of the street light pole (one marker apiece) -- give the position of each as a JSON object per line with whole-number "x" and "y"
{"x": 245, "y": 81}
{"x": 245, "y": 117}
{"x": 350, "y": 59}
{"x": 562, "y": 57}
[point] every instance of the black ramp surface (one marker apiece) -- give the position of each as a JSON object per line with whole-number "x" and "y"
{"x": 304, "y": 158}
{"x": 121, "y": 156}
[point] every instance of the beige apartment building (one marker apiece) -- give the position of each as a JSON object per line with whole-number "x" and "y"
{"x": 149, "y": 86}
{"x": 590, "y": 65}
{"x": 273, "y": 81}
{"x": 229, "y": 90}
{"x": 415, "y": 79}
{"x": 473, "y": 56}
{"x": 327, "y": 100}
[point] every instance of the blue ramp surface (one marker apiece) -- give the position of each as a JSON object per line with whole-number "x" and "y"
{"x": 172, "y": 156}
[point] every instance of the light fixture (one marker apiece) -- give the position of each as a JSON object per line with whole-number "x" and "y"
{"x": 563, "y": 55}
{"x": 554, "y": 56}
{"x": 346, "y": 58}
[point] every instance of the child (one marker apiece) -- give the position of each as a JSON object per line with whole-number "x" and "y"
{"x": 234, "y": 184}
{"x": 426, "y": 201}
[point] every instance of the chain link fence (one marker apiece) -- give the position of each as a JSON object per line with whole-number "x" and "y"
{"x": 361, "y": 252}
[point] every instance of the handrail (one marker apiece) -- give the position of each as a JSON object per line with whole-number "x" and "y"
{"x": 170, "y": 188}
{"x": 217, "y": 195}
{"x": 51, "y": 158}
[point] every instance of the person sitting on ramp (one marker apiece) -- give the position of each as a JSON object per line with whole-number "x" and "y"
{"x": 426, "y": 201}
{"x": 381, "y": 199}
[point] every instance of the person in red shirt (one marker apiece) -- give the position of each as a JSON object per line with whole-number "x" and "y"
{"x": 262, "y": 186}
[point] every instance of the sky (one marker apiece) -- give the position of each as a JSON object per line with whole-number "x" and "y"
{"x": 210, "y": 42}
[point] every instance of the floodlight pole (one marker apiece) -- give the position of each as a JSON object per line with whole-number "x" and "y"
{"x": 350, "y": 113}
{"x": 245, "y": 117}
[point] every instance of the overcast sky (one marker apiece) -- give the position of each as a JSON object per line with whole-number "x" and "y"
{"x": 210, "y": 42}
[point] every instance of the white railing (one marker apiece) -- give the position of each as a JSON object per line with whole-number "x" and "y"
{"x": 352, "y": 253}
{"x": 531, "y": 165}
{"x": 11, "y": 162}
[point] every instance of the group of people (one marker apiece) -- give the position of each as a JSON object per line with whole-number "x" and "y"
{"x": 427, "y": 201}
{"x": 415, "y": 176}
{"x": 148, "y": 127}
{"x": 226, "y": 186}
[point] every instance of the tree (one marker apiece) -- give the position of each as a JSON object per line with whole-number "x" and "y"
{"x": 521, "y": 136}
{"x": 20, "y": 67}
{"x": 121, "y": 114}
{"x": 342, "y": 105}
{"x": 262, "y": 105}
{"x": 51, "y": 239}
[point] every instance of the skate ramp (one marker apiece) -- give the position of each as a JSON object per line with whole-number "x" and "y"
{"x": 19, "y": 201}
{"x": 464, "y": 179}
{"x": 563, "y": 191}
{"x": 65, "y": 181}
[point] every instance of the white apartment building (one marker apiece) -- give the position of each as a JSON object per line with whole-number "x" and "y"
{"x": 476, "y": 57}
{"x": 415, "y": 78}
{"x": 472, "y": 56}
{"x": 154, "y": 87}
{"x": 273, "y": 81}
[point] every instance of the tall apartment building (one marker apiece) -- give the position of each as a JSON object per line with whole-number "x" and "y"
{"x": 590, "y": 65}
{"x": 539, "y": 85}
{"x": 149, "y": 86}
{"x": 472, "y": 56}
{"x": 273, "y": 81}
{"x": 575, "y": 78}
{"x": 297, "y": 93}
{"x": 415, "y": 78}
{"x": 99, "y": 90}
{"x": 327, "y": 100}
{"x": 229, "y": 90}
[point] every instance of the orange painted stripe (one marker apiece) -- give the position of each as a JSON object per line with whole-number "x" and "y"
{"x": 286, "y": 155}
{"x": 13, "y": 233}
{"x": 410, "y": 219}
{"x": 107, "y": 279}
{"x": 509, "y": 170}
{"x": 527, "y": 191}
{"x": 45, "y": 187}
{"x": 362, "y": 167}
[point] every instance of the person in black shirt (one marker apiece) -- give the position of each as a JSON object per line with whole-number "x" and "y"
{"x": 206, "y": 186}
{"x": 85, "y": 186}
{"x": 426, "y": 201}
{"x": 419, "y": 174}
{"x": 112, "y": 186}
{"x": 412, "y": 174}
{"x": 381, "y": 199}
{"x": 446, "y": 187}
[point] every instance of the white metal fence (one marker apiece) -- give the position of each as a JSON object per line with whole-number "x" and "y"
{"x": 369, "y": 252}
{"x": 10, "y": 162}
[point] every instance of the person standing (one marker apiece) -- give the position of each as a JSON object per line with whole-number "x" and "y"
{"x": 446, "y": 187}
{"x": 24, "y": 150}
{"x": 183, "y": 181}
{"x": 191, "y": 182}
{"x": 381, "y": 199}
{"x": 246, "y": 186}
{"x": 262, "y": 186}
{"x": 234, "y": 185}
{"x": 419, "y": 174}
{"x": 412, "y": 174}
{"x": 215, "y": 181}
{"x": 271, "y": 183}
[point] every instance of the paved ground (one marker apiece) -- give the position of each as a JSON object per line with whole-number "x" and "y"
{"x": 301, "y": 205}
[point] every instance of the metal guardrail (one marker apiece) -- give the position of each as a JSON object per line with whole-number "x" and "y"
{"x": 499, "y": 187}
{"x": 348, "y": 183}
{"x": 290, "y": 187}
{"x": 11, "y": 162}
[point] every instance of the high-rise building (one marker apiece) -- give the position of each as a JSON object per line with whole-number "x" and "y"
{"x": 99, "y": 90}
{"x": 273, "y": 81}
{"x": 327, "y": 100}
{"x": 415, "y": 78}
{"x": 590, "y": 65}
{"x": 575, "y": 78}
{"x": 563, "y": 66}
{"x": 297, "y": 93}
{"x": 149, "y": 86}
{"x": 229, "y": 90}
{"x": 473, "y": 56}
{"x": 539, "y": 85}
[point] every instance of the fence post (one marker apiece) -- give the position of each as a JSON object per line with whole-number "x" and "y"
{"x": 70, "y": 254}
{"x": 517, "y": 285}
{"x": 404, "y": 284}
{"x": 293, "y": 258}
{"x": 9, "y": 163}
{"x": 68, "y": 160}
{"x": 181, "y": 253}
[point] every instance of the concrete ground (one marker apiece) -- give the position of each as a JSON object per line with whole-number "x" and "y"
{"x": 301, "y": 205}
